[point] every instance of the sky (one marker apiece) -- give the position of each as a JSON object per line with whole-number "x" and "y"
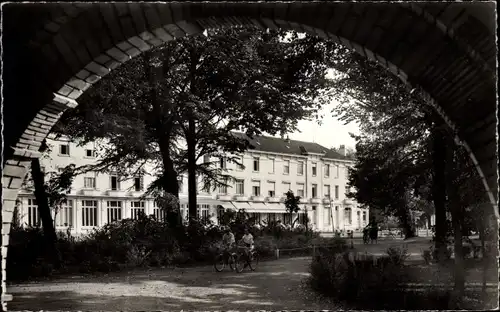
{"x": 331, "y": 133}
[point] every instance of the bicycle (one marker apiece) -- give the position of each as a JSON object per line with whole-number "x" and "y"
{"x": 242, "y": 260}
{"x": 223, "y": 259}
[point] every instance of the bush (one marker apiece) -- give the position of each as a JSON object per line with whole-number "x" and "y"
{"x": 134, "y": 243}
{"x": 427, "y": 255}
{"x": 397, "y": 255}
{"x": 351, "y": 277}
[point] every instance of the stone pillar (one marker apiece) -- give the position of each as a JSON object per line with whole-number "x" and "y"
{"x": 12, "y": 177}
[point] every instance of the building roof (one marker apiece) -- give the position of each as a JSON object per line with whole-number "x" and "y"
{"x": 292, "y": 147}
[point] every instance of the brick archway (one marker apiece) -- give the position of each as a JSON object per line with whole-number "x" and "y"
{"x": 445, "y": 51}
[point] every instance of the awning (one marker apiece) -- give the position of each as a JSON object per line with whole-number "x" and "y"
{"x": 251, "y": 207}
{"x": 241, "y": 205}
{"x": 203, "y": 201}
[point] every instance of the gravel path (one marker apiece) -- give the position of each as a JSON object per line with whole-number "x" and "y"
{"x": 276, "y": 285}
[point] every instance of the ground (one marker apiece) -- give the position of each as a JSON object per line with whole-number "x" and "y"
{"x": 276, "y": 285}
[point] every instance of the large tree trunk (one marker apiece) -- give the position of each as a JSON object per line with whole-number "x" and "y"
{"x": 439, "y": 191}
{"x": 49, "y": 230}
{"x": 191, "y": 150}
{"x": 170, "y": 184}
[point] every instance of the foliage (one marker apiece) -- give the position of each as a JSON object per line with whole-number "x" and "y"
{"x": 346, "y": 276}
{"x": 133, "y": 243}
{"x": 363, "y": 283}
{"x": 397, "y": 255}
{"x": 198, "y": 89}
{"x": 292, "y": 202}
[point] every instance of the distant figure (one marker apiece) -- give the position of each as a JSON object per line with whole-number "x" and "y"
{"x": 373, "y": 232}
{"x": 366, "y": 234}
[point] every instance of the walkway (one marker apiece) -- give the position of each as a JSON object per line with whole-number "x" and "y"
{"x": 276, "y": 285}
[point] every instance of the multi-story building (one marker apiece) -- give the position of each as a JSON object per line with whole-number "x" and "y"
{"x": 270, "y": 169}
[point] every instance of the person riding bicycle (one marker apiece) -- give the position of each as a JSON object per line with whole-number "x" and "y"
{"x": 247, "y": 241}
{"x": 228, "y": 240}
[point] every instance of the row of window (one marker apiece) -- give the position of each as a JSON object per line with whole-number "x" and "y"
{"x": 328, "y": 217}
{"x": 286, "y": 186}
{"x": 286, "y": 167}
{"x": 114, "y": 183}
{"x": 64, "y": 216}
{"x": 65, "y": 151}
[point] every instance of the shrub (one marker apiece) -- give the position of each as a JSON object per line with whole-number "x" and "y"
{"x": 427, "y": 255}
{"x": 351, "y": 277}
{"x": 397, "y": 255}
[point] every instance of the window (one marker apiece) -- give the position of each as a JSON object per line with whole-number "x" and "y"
{"x": 327, "y": 220}
{"x": 136, "y": 209}
{"x": 60, "y": 170}
{"x": 314, "y": 169}
{"x": 286, "y": 167}
{"x": 223, "y": 163}
{"x": 220, "y": 214}
{"x": 336, "y": 171}
{"x": 115, "y": 183}
{"x": 256, "y": 164}
{"x": 257, "y": 217}
{"x": 286, "y": 187}
{"x": 347, "y": 189}
{"x": 336, "y": 192}
{"x": 223, "y": 189}
{"x": 241, "y": 165}
{"x": 327, "y": 191}
{"x": 272, "y": 160}
{"x": 64, "y": 216}
{"x": 314, "y": 191}
{"x": 64, "y": 149}
{"x": 300, "y": 189}
{"x": 158, "y": 213}
{"x": 139, "y": 183}
{"x": 271, "y": 217}
{"x": 256, "y": 188}
{"x": 203, "y": 212}
{"x": 364, "y": 217}
{"x": 206, "y": 159}
{"x": 327, "y": 170}
{"x": 346, "y": 172}
{"x": 33, "y": 216}
{"x": 240, "y": 187}
{"x": 89, "y": 182}
{"x": 272, "y": 189}
{"x": 300, "y": 168}
{"x": 89, "y": 212}
{"x": 89, "y": 153}
{"x": 114, "y": 211}
{"x": 303, "y": 218}
{"x": 287, "y": 218}
{"x": 348, "y": 216}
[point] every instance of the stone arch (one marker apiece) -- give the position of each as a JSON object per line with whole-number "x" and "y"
{"x": 428, "y": 46}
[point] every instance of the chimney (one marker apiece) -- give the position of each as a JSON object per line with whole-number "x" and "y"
{"x": 342, "y": 150}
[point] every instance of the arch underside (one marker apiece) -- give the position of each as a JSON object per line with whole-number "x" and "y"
{"x": 446, "y": 51}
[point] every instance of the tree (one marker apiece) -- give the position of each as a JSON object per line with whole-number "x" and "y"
{"x": 292, "y": 205}
{"x": 197, "y": 90}
{"x": 395, "y": 136}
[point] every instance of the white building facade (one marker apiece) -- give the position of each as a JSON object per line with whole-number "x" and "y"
{"x": 270, "y": 169}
